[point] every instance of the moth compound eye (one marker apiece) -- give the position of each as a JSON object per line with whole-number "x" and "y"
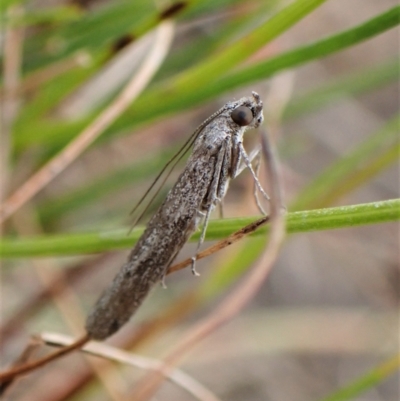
{"x": 242, "y": 116}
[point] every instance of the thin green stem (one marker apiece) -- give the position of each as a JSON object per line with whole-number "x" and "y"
{"x": 297, "y": 222}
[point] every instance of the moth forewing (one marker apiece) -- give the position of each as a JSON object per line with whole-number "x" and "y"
{"x": 215, "y": 159}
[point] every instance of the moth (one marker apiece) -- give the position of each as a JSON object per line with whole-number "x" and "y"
{"x": 216, "y": 158}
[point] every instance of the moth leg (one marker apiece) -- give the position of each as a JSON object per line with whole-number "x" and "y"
{"x": 218, "y": 184}
{"x": 257, "y": 159}
{"x": 255, "y": 153}
{"x": 247, "y": 162}
{"x": 201, "y": 240}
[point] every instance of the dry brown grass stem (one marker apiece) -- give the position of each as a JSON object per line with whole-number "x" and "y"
{"x": 134, "y": 87}
{"x": 110, "y": 353}
{"x": 13, "y": 43}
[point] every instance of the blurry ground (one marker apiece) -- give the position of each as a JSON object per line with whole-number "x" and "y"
{"x": 329, "y": 311}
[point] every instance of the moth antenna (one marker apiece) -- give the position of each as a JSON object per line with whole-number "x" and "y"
{"x": 177, "y": 157}
{"x": 162, "y": 183}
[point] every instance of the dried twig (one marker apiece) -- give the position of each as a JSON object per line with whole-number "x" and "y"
{"x": 231, "y": 239}
{"x": 25, "y": 356}
{"x": 11, "y": 373}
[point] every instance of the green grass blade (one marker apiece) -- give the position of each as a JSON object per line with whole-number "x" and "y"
{"x": 91, "y": 32}
{"x": 317, "y": 50}
{"x": 366, "y": 382}
{"x": 227, "y": 59}
{"x": 205, "y": 80}
{"x": 305, "y": 221}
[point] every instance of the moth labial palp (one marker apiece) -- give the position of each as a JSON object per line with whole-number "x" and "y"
{"x": 216, "y": 158}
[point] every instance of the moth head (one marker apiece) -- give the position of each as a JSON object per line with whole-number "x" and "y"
{"x": 248, "y": 111}
{"x": 242, "y": 116}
